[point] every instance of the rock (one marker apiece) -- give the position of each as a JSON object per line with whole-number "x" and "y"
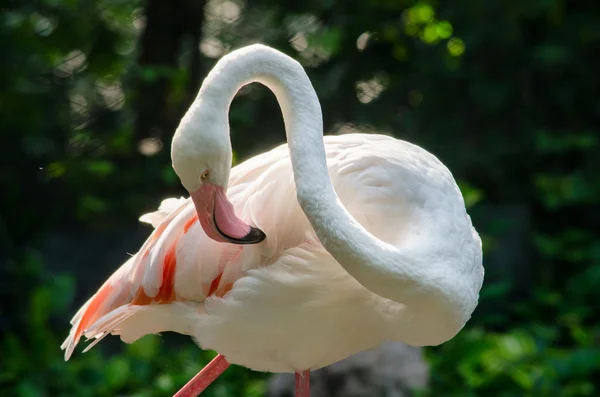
{"x": 392, "y": 370}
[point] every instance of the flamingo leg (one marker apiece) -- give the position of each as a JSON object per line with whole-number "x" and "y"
{"x": 204, "y": 378}
{"x": 303, "y": 384}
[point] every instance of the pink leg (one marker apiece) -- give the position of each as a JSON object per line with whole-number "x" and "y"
{"x": 303, "y": 384}
{"x": 204, "y": 378}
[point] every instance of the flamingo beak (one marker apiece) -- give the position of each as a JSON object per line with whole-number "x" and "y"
{"x": 218, "y": 219}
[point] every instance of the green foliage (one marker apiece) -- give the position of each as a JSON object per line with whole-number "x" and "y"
{"x": 520, "y": 362}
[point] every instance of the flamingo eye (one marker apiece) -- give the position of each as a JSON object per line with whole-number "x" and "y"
{"x": 205, "y": 175}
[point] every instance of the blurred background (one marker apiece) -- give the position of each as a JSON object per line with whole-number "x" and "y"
{"x": 505, "y": 93}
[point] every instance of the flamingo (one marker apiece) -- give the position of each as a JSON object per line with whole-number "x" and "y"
{"x": 301, "y": 256}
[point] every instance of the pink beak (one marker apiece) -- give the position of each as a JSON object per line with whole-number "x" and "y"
{"x": 218, "y": 219}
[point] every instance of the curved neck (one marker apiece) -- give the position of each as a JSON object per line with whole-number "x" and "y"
{"x": 378, "y": 266}
{"x": 299, "y": 104}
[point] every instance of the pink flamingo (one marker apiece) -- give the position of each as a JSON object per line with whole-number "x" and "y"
{"x": 367, "y": 240}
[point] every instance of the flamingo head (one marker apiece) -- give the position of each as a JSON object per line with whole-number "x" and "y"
{"x": 202, "y": 160}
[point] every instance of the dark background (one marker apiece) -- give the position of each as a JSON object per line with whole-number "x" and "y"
{"x": 505, "y": 93}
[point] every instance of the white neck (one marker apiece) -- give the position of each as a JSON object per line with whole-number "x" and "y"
{"x": 378, "y": 266}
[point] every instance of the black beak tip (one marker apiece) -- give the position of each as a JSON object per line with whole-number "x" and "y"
{"x": 255, "y": 236}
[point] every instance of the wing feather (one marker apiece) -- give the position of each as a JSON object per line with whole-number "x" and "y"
{"x": 146, "y": 278}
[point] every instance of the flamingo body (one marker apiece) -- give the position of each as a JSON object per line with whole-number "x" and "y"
{"x": 286, "y": 305}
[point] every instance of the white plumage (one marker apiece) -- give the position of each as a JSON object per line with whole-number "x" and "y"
{"x": 292, "y": 305}
{"x": 408, "y": 267}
